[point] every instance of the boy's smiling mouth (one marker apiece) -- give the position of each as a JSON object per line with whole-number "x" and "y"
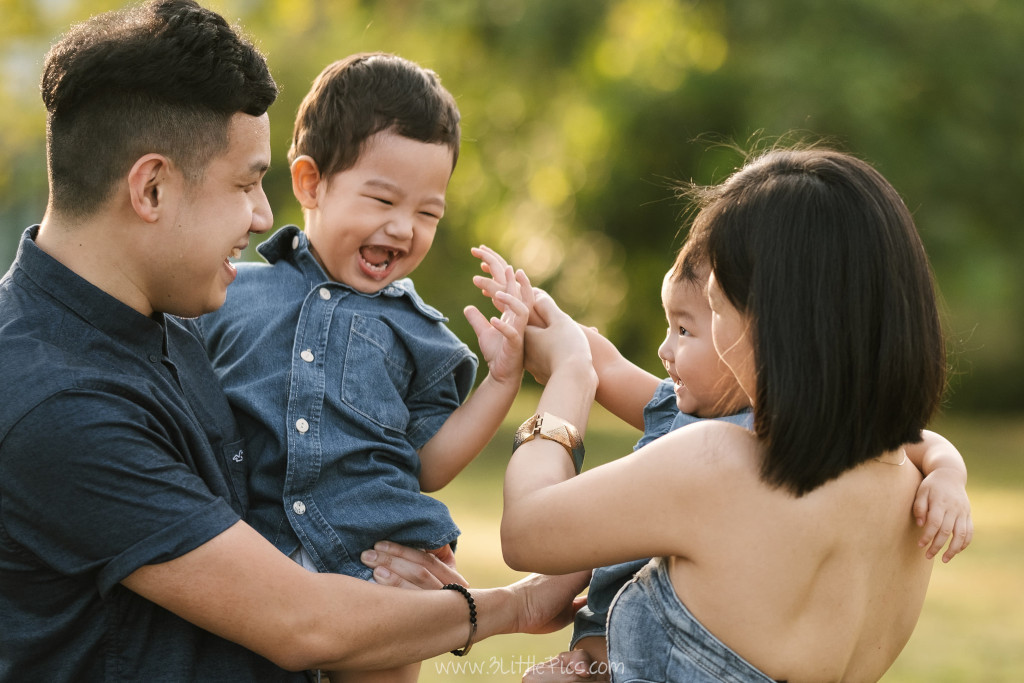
{"x": 377, "y": 261}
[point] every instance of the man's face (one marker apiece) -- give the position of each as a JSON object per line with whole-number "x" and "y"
{"x": 213, "y": 222}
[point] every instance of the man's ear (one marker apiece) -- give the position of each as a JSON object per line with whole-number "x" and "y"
{"x": 305, "y": 181}
{"x": 148, "y": 185}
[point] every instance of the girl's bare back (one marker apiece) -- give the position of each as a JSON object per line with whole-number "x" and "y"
{"x": 810, "y": 588}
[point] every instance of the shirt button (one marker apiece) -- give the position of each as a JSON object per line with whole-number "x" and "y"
{"x": 295, "y": 243}
{"x": 302, "y": 426}
{"x": 325, "y": 293}
{"x": 299, "y": 507}
{"x": 307, "y": 356}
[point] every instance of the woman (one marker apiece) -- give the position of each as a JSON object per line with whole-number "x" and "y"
{"x": 786, "y": 553}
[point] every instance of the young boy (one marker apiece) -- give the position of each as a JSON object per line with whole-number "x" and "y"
{"x": 351, "y": 391}
{"x": 700, "y": 386}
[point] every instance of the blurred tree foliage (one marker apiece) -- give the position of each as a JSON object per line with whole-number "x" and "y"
{"x": 578, "y": 115}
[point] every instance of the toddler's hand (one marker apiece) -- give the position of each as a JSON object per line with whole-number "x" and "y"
{"x": 496, "y": 266}
{"x": 943, "y": 509}
{"x": 501, "y": 339}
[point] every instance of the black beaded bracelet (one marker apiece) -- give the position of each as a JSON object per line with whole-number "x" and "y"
{"x": 472, "y": 616}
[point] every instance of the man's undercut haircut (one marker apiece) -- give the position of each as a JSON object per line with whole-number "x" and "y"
{"x": 359, "y": 96}
{"x": 164, "y": 77}
{"x": 818, "y": 251}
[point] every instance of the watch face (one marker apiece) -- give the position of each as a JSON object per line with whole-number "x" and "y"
{"x": 552, "y": 428}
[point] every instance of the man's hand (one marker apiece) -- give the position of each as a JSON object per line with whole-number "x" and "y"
{"x": 403, "y": 567}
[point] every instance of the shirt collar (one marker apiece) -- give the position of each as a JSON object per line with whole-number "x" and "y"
{"x": 102, "y": 311}
{"x": 291, "y": 244}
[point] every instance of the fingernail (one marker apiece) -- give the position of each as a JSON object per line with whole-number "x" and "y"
{"x": 369, "y": 556}
{"x": 382, "y": 573}
{"x": 382, "y": 546}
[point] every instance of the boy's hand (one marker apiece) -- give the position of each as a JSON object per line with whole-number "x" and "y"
{"x": 493, "y": 263}
{"x": 501, "y": 339}
{"x": 942, "y": 508}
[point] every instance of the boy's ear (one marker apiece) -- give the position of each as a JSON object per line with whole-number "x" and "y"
{"x": 149, "y": 186}
{"x": 305, "y": 181}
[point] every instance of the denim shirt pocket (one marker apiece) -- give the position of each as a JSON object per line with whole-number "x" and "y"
{"x": 376, "y": 375}
{"x": 236, "y": 462}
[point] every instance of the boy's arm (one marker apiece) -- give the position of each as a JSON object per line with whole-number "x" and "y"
{"x": 941, "y": 505}
{"x": 473, "y": 424}
{"x": 466, "y": 431}
{"x": 624, "y": 389}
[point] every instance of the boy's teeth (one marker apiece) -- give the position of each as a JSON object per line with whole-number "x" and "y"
{"x": 377, "y": 257}
{"x": 236, "y": 252}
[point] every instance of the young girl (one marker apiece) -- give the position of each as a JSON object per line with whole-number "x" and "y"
{"x": 786, "y": 552}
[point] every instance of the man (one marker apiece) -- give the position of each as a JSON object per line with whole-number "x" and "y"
{"x": 122, "y": 551}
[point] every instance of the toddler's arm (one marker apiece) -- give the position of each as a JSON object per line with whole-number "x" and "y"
{"x": 941, "y": 506}
{"x": 624, "y": 388}
{"x": 473, "y": 424}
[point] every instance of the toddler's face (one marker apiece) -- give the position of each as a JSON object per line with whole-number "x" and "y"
{"x": 374, "y": 222}
{"x": 705, "y": 386}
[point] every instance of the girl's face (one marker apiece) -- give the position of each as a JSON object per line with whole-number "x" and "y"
{"x": 705, "y": 386}
{"x": 730, "y": 330}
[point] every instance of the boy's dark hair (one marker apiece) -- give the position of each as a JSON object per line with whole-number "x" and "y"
{"x": 821, "y": 255}
{"x": 164, "y": 77}
{"x": 363, "y": 94}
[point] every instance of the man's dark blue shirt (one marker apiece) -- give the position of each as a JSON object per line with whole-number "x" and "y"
{"x": 117, "y": 450}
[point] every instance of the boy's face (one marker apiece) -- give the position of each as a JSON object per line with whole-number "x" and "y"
{"x": 189, "y": 270}
{"x": 705, "y": 386}
{"x": 374, "y": 223}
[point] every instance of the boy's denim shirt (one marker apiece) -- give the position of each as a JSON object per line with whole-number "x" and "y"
{"x": 335, "y": 391}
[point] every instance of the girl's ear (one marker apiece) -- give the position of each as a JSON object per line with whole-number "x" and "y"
{"x": 305, "y": 181}
{"x": 149, "y": 183}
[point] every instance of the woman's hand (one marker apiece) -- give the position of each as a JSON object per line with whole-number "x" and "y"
{"x": 554, "y": 341}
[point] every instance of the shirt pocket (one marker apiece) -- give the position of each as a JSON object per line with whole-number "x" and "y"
{"x": 376, "y": 375}
{"x": 236, "y": 462}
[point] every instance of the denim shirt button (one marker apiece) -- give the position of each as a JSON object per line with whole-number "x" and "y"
{"x": 295, "y": 243}
{"x": 325, "y": 293}
{"x": 302, "y": 426}
{"x": 299, "y": 507}
{"x": 307, "y": 356}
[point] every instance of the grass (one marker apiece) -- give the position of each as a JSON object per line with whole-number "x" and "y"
{"x": 972, "y": 625}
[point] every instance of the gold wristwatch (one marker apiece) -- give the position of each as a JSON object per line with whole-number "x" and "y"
{"x": 552, "y": 428}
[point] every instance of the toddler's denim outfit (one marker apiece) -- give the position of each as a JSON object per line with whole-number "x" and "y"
{"x": 335, "y": 391}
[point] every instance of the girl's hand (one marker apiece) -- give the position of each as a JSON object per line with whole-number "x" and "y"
{"x": 943, "y": 509}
